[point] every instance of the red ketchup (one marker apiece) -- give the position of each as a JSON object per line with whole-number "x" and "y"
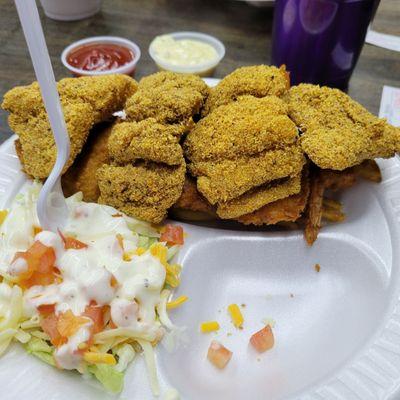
{"x": 100, "y": 57}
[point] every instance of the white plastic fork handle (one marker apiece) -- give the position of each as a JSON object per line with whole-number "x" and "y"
{"x": 52, "y": 214}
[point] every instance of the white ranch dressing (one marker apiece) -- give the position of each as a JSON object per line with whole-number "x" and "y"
{"x": 87, "y": 273}
{"x": 183, "y": 52}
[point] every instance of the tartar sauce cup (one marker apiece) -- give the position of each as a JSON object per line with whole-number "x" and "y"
{"x": 128, "y": 68}
{"x": 203, "y": 69}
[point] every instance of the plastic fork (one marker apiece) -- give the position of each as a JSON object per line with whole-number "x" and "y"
{"x": 52, "y": 208}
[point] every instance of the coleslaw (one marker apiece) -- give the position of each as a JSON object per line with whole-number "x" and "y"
{"x": 89, "y": 297}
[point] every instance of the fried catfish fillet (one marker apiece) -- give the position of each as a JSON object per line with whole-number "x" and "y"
{"x": 242, "y": 145}
{"x": 81, "y": 176}
{"x": 86, "y": 101}
{"x": 168, "y": 97}
{"x": 257, "y": 81}
{"x": 145, "y": 140}
{"x": 339, "y": 133}
{"x": 192, "y": 200}
{"x": 144, "y": 190}
{"x": 288, "y": 209}
{"x": 146, "y": 172}
{"x": 256, "y": 198}
{"x": 248, "y": 126}
{"x": 221, "y": 181}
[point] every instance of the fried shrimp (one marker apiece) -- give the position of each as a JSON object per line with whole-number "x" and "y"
{"x": 257, "y": 81}
{"x": 339, "y": 133}
{"x": 86, "y": 101}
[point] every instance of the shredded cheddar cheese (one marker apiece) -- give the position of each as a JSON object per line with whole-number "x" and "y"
{"x": 236, "y": 315}
{"x": 177, "y": 302}
{"x": 99, "y": 358}
{"x": 209, "y": 326}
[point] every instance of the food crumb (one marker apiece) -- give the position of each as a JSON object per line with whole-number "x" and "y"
{"x": 269, "y": 321}
{"x": 291, "y": 295}
{"x": 243, "y": 305}
{"x": 317, "y": 267}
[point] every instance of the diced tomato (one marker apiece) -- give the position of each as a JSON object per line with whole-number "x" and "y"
{"x": 218, "y": 355}
{"x": 46, "y": 309}
{"x": 41, "y": 269}
{"x": 72, "y": 243}
{"x": 173, "y": 234}
{"x": 263, "y": 340}
{"x": 68, "y": 323}
{"x": 96, "y": 314}
{"x": 49, "y": 326}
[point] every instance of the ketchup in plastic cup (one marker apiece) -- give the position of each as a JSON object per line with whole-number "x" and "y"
{"x": 101, "y": 55}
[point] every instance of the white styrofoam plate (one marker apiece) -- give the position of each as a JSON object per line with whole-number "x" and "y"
{"x": 337, "y": 331}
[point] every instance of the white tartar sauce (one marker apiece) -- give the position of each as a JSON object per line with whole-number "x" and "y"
{"x": 99, "y": 273}
{"x": 183, "y": 52}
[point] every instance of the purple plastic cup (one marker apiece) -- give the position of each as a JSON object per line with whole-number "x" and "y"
{"x": 320, "y": 41}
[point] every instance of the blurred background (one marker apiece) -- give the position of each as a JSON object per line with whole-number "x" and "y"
{"x": 245, "y": 28}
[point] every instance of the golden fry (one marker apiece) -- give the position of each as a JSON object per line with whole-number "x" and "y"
{"x": 369, "y": 170}
{"x": 314, "y": 210}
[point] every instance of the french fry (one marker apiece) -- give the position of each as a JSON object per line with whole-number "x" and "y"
{"x": 369, "y": 170}
{"x": 314, "y": 210}
{"x": 338, "y": 180}
{"x": 332, "y": 204}
{"x": 332, "y": 215}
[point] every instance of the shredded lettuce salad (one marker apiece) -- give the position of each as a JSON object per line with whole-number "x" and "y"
{"x": 108, "y": 353}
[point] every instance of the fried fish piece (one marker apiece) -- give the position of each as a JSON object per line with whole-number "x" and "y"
{"x": 243, "y": 145}
{"x": 105, "y": 93}
{"x": 257, "y": 81}
{"x": 288, "y": 209}
{"x": 191, "y": 199}
{"x": 145, "y": 140}
{"x": 85, "y": 101}
{"x": 35, "y": 145}
{"x": 168, "y": 97}
{"x": 255, "y": 198}
{"x": 81, "y": 176}
{"x": 338, "y": 132}
{"x": 144, "y": 190}
{"x": 224, "y": 180}
{"x": 248, "y": 126}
